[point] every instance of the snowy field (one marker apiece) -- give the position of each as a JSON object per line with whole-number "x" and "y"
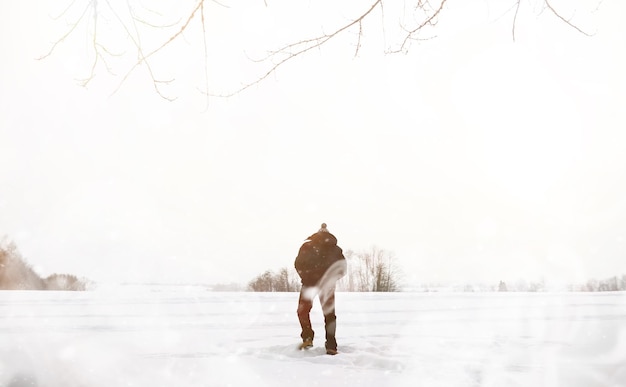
{"x": 187, "y": 336}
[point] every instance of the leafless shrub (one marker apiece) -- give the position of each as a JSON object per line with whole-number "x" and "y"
{"x": 373, "y": 270}
{"x": 64, "y": 282}
{"x": 17, "y": 274}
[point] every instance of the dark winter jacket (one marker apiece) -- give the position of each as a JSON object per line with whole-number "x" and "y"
{"x": 318, "y": 253}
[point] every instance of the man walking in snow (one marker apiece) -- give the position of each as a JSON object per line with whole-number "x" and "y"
{"x": 320, "y": 263}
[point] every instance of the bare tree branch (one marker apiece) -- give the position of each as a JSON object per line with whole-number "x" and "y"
{"x": 74, "y": 25}
{"x": 301, "y": 47}
{"x": 94, "y": 45}
{"x": 64, "y": 11}
{"x": 170, "y": 40}
{"x": 566, "y": 21}
{"x": 141, "y": 58}
{"x": 358, "y": 43}
{"x": 430, "y": 21}
{"x": 222, "y": 4}
{"x": 206, "y": 58}
{"x": 517, "y": 5}
{"x": 144, "y": 22}
{"x": 420, "y": 16}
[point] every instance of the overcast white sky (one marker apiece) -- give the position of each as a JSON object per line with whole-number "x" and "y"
{"x": 472, "y": 157}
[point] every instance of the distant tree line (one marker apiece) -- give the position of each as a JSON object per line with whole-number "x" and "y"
{"x": 17, "y": 274}
{"x": 286, "y": 280}
{"x": 613, "y": 284}
{"x": 522, "y": 286}
{"x": 373, "y": 270}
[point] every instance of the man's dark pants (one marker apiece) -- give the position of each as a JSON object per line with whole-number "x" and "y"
{"x": 327, "y": 300}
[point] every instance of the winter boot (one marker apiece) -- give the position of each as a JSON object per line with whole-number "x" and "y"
{"x": 306, "y": 343}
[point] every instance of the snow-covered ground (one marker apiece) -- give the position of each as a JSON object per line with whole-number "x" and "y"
{"x": 188, "y": 336}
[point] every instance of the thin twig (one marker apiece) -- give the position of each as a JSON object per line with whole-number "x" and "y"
{"x": 557, "y": 14}
{"x": 144, "y": 22}
{"x": 94, "y": 45}
{"x": 144, "y": 58}
{"x": 60, "y": 40}
{"x": 429, "y": 21}
{"x": 141, "y": 58}
{"x": 206, "y": 58}
{"x": 515, "y": 18}
{"x": 302, "y": 47}
{"x": 358, "y": 42}
{"x": 64, "y": 11}
{"x": 176, "y": 35}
